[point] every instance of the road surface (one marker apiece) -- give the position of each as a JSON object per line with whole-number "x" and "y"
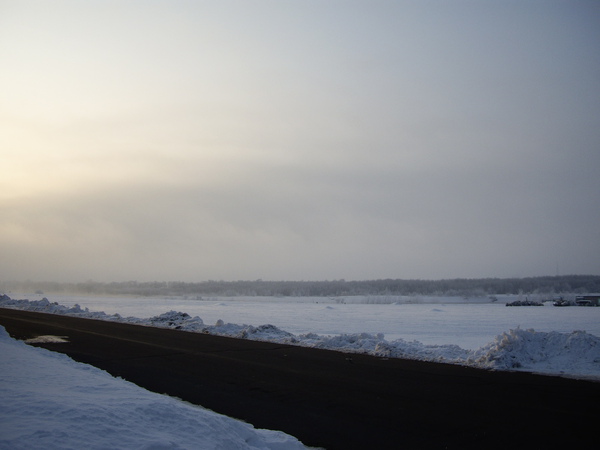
{"x": 331, "y": 399}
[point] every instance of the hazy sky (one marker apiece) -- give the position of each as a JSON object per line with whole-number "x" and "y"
{"x": 299, "y": 140}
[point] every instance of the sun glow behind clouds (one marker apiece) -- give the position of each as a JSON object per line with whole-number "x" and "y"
{"x": 177, "y": 140}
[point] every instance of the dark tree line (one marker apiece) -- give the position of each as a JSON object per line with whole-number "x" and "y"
{"x": 452, "y": 287}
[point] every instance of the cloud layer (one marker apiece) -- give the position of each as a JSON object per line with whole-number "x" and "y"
{"x": 189, "y": 142}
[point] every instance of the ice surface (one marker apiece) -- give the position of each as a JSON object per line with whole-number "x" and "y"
{"x": 557, "y": 341}
{"x": 469, "y": 323}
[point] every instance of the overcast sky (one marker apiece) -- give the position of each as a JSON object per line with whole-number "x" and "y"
{"x": 298, "y": 140}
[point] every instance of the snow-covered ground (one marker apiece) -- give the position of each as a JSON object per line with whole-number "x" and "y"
{"x": 476, "y": 332}
{"x": 48, "y": 401}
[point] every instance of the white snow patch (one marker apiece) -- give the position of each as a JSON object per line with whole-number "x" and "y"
{"x": 51, "y": 402}
{"x": 47, "y": 339}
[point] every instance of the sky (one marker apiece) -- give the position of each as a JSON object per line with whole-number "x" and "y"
{"x": 298, "y": 140}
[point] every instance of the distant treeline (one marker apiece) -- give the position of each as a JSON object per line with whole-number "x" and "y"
{"x": 455, "y": 287}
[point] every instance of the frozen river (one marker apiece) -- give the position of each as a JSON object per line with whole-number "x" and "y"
{"x": 469, "y": 324}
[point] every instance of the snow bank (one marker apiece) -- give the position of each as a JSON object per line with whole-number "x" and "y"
{"x": 42, "y": 305}
{"x": 52, "y": 402}
{"x": 575, "y": 354}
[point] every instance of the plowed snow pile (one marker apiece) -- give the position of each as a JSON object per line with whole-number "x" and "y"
{"x": 575, "y": 354}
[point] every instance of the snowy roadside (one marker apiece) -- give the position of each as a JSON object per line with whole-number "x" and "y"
{"x": 575, "y": 354}
{"x": 50, "y": 402}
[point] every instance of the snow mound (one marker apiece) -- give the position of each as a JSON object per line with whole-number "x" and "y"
{"x": 575, "y": 354}
{"x": 261, "y": 333}
{"x": 42, "y": 305}
{"x": 357, "y": 342}
{"x": 177, "y": 320}
{"x": 552, "y": 352}
{"x": 51, "y": 402}
{"x": 377, "y": 345}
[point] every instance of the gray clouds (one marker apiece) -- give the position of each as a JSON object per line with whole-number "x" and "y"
{"x": 294, "y": 224}
{"x": 304, "y": 141}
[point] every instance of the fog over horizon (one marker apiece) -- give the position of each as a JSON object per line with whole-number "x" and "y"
{"x": 308, "y": 140}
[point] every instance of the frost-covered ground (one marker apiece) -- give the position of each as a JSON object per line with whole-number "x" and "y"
{"x": 48, "y": 401}
{"x": 475, "y": 332}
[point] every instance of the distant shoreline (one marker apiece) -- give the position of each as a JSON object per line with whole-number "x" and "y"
{"x": 551, "y": 285}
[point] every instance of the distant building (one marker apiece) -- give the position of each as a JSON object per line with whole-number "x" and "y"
{"x": 587, "y": 300}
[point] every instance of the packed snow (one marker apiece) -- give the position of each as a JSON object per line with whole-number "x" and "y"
{"x": 478, "y": 333}
{"x": 51, "y": 402}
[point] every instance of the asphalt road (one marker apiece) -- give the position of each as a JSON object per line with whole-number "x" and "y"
{"x": 331, "y": 399}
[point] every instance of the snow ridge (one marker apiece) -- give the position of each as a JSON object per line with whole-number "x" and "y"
{"x": 558, "y": 353}
{"x": 575, "y": 354}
